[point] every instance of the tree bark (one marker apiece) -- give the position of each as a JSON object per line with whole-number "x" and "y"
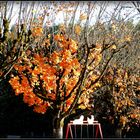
{"x": 118, "y": 132}
{"x": 58, "y": 128}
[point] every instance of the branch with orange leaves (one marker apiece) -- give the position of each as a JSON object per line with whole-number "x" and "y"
{"x": 77, "y": 87}
{"x": 106, "y": 65}
{"x": 81, "y": 76}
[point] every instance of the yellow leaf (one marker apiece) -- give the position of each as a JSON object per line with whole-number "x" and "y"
{"x": 77, "y": 29}
{"x": 62, "y": 27}
{"x": 128, "y": 38}
{"x": 34, "y": 11}
{"x": 113, "y": 47}
{"x": 82, "y": 107}
{"x": 83, "y": 17}
{"x": 114, "y": 26}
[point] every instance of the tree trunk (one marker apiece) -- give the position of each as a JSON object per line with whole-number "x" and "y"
{"x": 118, "y": 132}
{"x": 58, "y": 128}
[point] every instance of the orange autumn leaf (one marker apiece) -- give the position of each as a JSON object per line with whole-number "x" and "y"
{"x": 37, "y": 31}
{"x": 83, "y": 17}
{"x": 58, "y": 37}
{"x": 29, "y": 99}
{"x": 51, "y": 95}
{"x": 41, "y": 108}
{"x": 77, "y": 29}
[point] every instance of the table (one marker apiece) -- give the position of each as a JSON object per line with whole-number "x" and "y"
{"x": 96, "y": 124}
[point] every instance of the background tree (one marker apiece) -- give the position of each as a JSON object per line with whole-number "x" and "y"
{"x": 118, "y": 99}
{"x": 13, "y": 41}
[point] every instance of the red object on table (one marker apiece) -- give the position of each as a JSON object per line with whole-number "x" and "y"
{"x": 95, "y": 123}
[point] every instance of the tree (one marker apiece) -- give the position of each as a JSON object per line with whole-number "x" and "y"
{"x": 58, "y": 74}
{"x": 55, "y": 77}
{"x": 55, "y": 71}
{"x": 136, "y": 5}
{"x": 73, "y": 25}
{"x": 14, "y": 39}
{"x": 117, "y": 99}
